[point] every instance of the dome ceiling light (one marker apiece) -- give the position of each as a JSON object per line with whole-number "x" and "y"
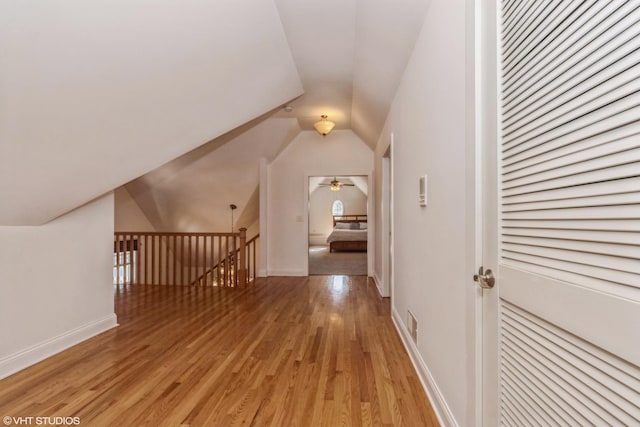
{"x": 324, "y": 126}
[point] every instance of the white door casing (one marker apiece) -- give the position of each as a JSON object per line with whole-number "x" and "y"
{"x": 370, "y": 211}
{"x": 387, "y": 222}
{"x": 561, "y": 328}
{"x": 487, "y": 59}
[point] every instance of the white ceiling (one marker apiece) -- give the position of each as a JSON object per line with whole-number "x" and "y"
{"x": 97, "y": 93}
{"x": 350, "y": 56}
{"x": 360, "y": 182}
{"x": 193, "y": 192}
{"x": 92, "y": 99}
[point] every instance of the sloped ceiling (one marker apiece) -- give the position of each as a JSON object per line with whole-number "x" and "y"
{"x": 96, "y": 93}
{"x": 358, "y": 181}
{"x": 194, "y": 191}
{"x": 350, "y": 56}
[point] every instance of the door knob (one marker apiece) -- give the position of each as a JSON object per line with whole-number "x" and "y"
{"x": 485, "y": 279}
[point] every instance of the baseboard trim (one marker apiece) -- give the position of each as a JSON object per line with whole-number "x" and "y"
{"x": 378, "y": 283}
{"x": 440, "y": 407}
{"x": 262, "y": 272}
{"x": 18, "y": 361}
{"x": 287, "y": 273}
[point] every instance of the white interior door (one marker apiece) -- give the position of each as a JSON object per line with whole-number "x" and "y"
{"x": 562, "y": 325}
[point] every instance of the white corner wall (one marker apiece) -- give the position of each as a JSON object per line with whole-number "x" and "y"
{"x": 309, "y": 154}
{"x": 428, "y": 124}
{"x": 128, "y": 215}
{"x": 56, "y": 282}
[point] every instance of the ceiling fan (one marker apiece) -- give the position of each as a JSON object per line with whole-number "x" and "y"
{"x": 336, "y": 185}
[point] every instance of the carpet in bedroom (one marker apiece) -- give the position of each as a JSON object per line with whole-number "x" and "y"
{"x": 321, "y": 261}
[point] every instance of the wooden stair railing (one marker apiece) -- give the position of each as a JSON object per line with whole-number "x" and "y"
{"x": 208, "y": 278}
{"x": 157, "y": 258}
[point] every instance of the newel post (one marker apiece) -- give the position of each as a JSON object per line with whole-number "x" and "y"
{"x": 242, "y": 258}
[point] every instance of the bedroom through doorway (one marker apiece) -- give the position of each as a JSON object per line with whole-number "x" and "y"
{"x": 338, "y": 225}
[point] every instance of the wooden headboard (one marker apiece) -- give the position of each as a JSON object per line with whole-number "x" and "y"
{"x": 349, "y": 218}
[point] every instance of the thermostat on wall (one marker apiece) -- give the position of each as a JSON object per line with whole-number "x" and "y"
{"x": 423, "y": 190}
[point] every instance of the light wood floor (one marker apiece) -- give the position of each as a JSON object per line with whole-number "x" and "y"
{"x": 285, "y": 352}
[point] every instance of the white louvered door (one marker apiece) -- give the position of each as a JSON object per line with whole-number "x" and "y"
{"x": 568, "y": 226}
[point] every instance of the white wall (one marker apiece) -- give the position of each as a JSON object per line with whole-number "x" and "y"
{"x": 309, "y": 154}
{"x": 56, "y": 284}
{"x": 193, "y": 192}
{"x": 320, "y": 204}
{"x": 128, "y": 215}
{"x": 111, "y": 89}
{"x": 431, "y": 277}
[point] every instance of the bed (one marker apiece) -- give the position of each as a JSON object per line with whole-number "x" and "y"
{"x": 349, "y": 234}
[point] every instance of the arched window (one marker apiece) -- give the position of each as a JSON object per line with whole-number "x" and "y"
{"x": 337, "y": 208}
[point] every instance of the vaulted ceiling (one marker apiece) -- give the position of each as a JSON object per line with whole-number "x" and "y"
{"x": 92, "y": 98}
{"x": 350, "y": 56}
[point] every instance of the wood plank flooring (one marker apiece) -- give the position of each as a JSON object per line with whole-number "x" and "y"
{"x": 316, "y": 351}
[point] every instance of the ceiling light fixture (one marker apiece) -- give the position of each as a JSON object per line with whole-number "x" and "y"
{"x": 324, "y": 126}
{"x": 335, "y": 185}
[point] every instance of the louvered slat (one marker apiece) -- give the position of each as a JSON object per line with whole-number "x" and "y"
{"x": 576, "y": 96}
{"x": 566, "y": 55}
{"x": 527, "y": 26}
{"x": 561, "y": 46}
{"x": 565, "y": 394}
{"x": 539, "y": 385}
{"x": 515, "y": 18}
{"x": 577, "y": 202}
{"x": 630, "y": 239}
{"x": 591, "y": 123}
{"x": 573, "y": 263}
{"x": 561, "y": 378}
{"x": 538, "y": 412}
{"x": 569, "y": 211}
{"x": 596, "y": 189}
{"x": 588, "y": 247}
{"x": 551, "y": 365}
{"x": 623, "y": 380}
{"x": 604, "y": 131}
{"x": 579, "y": 168}
{"x": 538, "y": 45}
{"x": 622, "y": 171}
{"x": 552, "y": 413}
{"x": 578, "y": 152}
{"x": 596, "y": 213}
{"x": 561, "y": 364}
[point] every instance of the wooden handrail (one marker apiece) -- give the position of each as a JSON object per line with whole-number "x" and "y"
{"x": 249, "y": 244}
{"x": 174, "y": 258}
{"x": 161, "y": 233}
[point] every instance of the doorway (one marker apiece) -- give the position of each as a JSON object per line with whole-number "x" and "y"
{"x": 338, "y": 225}
{"x": 386, "y": 287}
